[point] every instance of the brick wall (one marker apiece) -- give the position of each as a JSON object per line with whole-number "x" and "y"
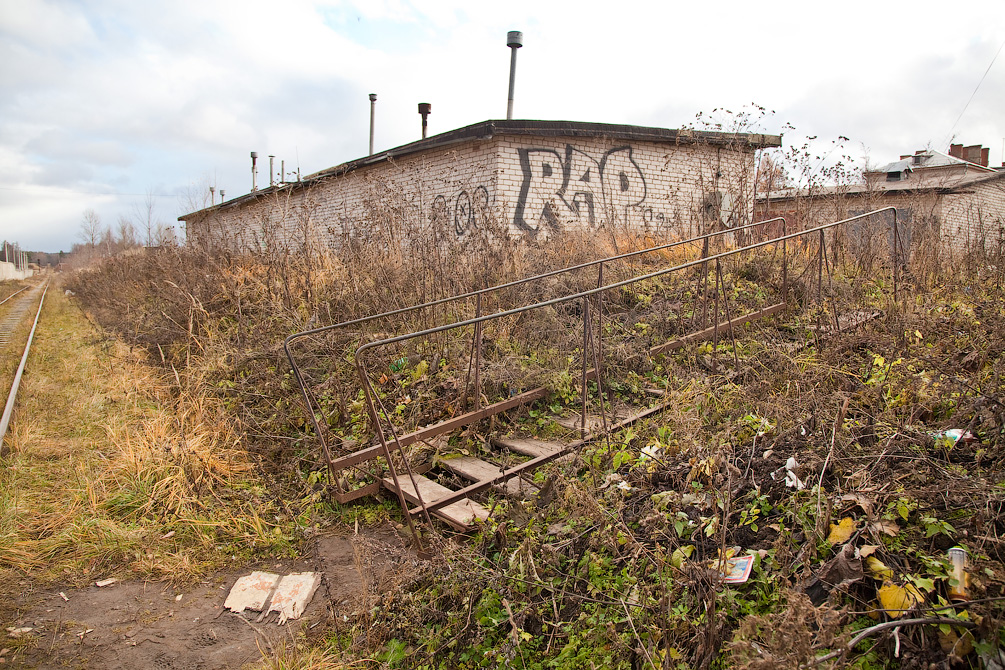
{"x": 529, "y": 186}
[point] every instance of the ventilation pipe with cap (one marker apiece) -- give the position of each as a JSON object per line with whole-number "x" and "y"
{"x": 272, "y": 170}
{"x": 222, "y": 195}
{"x": 212, "y": 195}
{"x": 254, "y": 171}
{"x": 514, "y": 40}
{"x": 373, "y": 104}
{"x": 425, "y": 109}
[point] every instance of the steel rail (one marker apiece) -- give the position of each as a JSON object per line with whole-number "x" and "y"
{"x": 385, "y": 444}
{"x": 14, "y": 294}
{"x": 298, "y": 374}
{"x": 9, "y": 408}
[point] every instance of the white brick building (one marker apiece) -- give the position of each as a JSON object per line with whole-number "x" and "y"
{"x": 945, "y": 197}
{"x": 535, "y": 178}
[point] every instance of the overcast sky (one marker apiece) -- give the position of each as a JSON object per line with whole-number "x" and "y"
{"x": 105, "y": 101}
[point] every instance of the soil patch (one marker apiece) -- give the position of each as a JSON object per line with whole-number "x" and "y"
{"x": 157, "y": 625}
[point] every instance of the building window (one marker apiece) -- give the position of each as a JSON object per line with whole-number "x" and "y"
{"x": 894, "y": 176}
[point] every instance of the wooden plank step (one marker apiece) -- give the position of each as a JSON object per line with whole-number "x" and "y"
{"x": 478, "y": 470}
{"x": 528, "y": 446}
{"x": 460, "y": 514}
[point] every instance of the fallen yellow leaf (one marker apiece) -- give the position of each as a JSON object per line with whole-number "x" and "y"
{"x": 878, "y": 568}
{"x": 896, "y": 600}
{"x": 841, "y": 531}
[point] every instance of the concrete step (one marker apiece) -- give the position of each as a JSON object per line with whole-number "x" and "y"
{"x": 478, "y": 470}
{"x": 460, "y": 514}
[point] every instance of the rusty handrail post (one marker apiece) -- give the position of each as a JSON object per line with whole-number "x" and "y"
{"x": 372, "y": 411}
{"x": 896, "y": 255}
{"x": 600, "y": 336}
{"x": 585, "y": 391}
{"x": 785, "y": 264}
{"x": 478, "y": 354}
{"x": 715, "y": 320}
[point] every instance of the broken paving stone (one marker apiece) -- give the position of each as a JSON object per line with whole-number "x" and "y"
{"x": 251, "y": 592}
{"x": 293, "y": 594}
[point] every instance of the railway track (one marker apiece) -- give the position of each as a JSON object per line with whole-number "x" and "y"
{"x": 22, "y": 303}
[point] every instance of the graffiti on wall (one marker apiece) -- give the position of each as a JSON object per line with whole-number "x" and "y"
{"x": 575, "y": 185}
{"x": 467, "y": 210}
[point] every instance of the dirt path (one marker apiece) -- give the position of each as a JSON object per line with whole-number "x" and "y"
{"x": 156, "y": 625}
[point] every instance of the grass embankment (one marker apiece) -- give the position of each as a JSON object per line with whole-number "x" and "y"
{"x": 616, "y": 565}
{"x": 113, "y": 471}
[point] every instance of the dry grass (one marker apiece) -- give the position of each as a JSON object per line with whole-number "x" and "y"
{"x": 114, "y": 471}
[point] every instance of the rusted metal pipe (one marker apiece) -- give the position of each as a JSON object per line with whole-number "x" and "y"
{"x": 514, "y": 40}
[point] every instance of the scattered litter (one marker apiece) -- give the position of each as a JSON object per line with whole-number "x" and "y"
{"x": 791, "y": 478}
{"x": 63, "y": 596}
{"x": 177, "y": 597}
{"x": 952, "y": 436}
{"x": 650, "y": 451}
{"x": 737, "y": 569}
{"x": 958, "y": 557}
{"x": 251, "y": 592}
{"x": 105, "y": 582}
{"x": 293, "y": 594}
{"x": 15, "y": 631}
{"x": 612, "y": 478}
{"x": 168, "y": 535}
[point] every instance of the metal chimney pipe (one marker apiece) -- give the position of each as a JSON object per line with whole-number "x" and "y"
{"x": 272, "y": 170}
{"x": 425, "y": 109}
{"x": 282, "y": 171}
{"x": 254, "y": 171}
{"x": 373, "y": 104}
{"x": 514, "y": 40}
{"x": 212, "y": 196}
{"x": 222, "y": 196}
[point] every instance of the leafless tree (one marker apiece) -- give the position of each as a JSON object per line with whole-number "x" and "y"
{"x": 126, "y": 233}
{"x": 146, "y": 218}
{"x": 90, "y": 228}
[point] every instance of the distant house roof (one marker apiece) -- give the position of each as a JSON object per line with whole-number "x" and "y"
{"x": 488, "y": 129}
{"x": 916, "y": 164}
{"x": 906, "y": 186}
{"x": 926, "y": 159}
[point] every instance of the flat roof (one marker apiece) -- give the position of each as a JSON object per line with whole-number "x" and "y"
{"x": 486, "y": 130}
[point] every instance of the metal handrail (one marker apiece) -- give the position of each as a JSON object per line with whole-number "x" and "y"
{"x": 297, "y": 373}
{"x": 582, "y": 295}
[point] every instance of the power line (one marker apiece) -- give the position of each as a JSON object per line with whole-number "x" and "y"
{"x": 949, "y": 136}
{"x": 63, "y": 190}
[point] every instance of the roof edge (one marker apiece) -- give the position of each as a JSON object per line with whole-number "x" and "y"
{"x": 486, "y": 130}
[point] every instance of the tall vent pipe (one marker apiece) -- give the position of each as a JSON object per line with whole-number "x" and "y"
{"x": 373, "y": 104}
{"x": 514, "y": 40}
{"x": 425, "y": 109}
{"x": 272, "y": 170}
{"x": 254, "y": 170}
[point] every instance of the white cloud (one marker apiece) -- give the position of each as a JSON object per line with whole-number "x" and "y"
{"x": 115, "y": 96}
